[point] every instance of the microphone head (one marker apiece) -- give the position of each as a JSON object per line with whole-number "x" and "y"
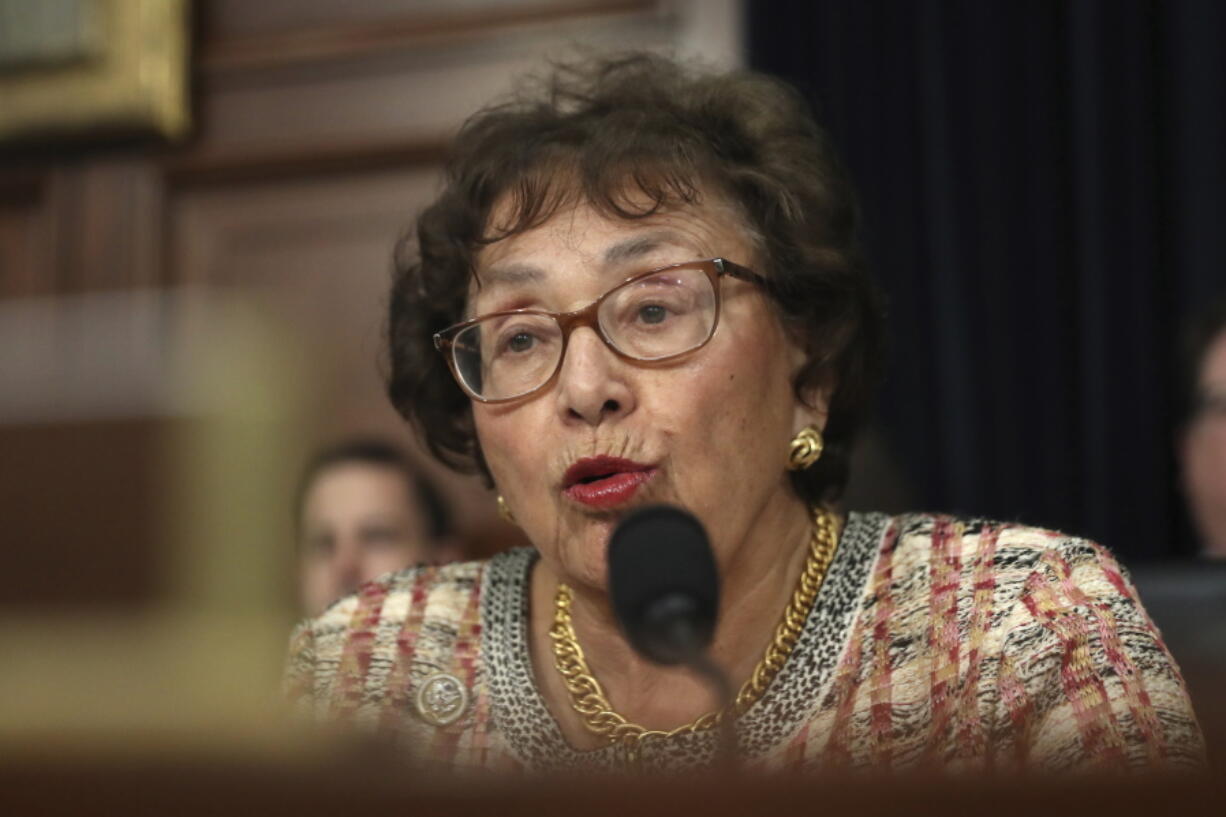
{"x": 663, "y": 583}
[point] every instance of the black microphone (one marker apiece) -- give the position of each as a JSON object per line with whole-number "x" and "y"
{"x": 663, "y": 584}
{"x": 664, "y": 588}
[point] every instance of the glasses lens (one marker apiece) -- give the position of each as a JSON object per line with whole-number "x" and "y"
{"x": 661, "y": 315}
{"x": 505, "y": 356}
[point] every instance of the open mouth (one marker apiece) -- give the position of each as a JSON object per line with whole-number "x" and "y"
{"x": 596, "y": 478}
{"x": 605, "y": 482}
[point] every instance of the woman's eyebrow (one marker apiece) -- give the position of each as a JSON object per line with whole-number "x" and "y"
{"x": 638, "y": 246}
{"x": 516, "y": 273}
{"x": 510, "y": 275}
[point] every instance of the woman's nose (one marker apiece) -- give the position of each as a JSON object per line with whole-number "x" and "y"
{"x": 593, "y": 384}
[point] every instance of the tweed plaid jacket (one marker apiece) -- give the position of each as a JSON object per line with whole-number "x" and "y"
{"x": 935, "y": 642}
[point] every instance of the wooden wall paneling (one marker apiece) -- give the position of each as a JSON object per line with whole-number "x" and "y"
{"x": 298, "y": 88}
{"x": 24, "y": 236}
{"x": 39, "y": 209}
{"x": 315, "y": 253}
{"x": 117, "y": 225}
{"x": 80, "y": 225}
{"x": 415, "y": 91}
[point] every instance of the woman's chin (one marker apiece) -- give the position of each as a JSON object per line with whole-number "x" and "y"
{"x": 586, "y": 563}
{"x": 575, "y": 548}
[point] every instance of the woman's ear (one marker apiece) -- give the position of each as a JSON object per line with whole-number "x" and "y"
{"x": 813, "y": 404}
{"x": 812, "y": 385}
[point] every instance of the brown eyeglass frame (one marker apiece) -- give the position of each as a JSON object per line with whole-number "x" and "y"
{"x": 567, "y": 322}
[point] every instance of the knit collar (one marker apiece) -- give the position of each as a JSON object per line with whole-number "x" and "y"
{"x": 787, "y": 705}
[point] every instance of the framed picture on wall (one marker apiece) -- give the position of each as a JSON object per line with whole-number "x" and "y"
{"x": 80, "y": 68}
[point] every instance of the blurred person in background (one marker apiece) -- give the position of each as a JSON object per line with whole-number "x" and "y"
{"x": 1202, "y": 441}
{"x": 363, "y": 509}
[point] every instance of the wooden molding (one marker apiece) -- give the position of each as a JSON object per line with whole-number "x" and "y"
{"x": 204, "y": 169}
{"x": 348, "y": 41}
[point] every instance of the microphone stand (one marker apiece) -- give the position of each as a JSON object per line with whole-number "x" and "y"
{"x": 684, "y": 643}
{"x": 727, "y": 750}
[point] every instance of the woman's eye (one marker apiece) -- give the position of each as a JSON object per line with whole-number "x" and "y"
{"x": 653, "y": 313}
{"x": 520, "y": 342}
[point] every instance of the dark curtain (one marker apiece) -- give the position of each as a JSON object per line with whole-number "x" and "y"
{"x": 1044, "y": 195}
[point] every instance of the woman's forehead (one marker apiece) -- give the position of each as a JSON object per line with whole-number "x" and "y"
{"x": 601, "y": 242}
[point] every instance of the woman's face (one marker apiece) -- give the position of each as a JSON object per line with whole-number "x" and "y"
{"x": 708, "y": 431}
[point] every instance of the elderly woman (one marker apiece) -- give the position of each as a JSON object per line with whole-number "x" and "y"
{"x": 640, "y": 286}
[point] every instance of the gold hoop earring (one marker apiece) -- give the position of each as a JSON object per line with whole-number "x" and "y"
{"x": 806, "y": 448}
{"x": 504, "y": 511}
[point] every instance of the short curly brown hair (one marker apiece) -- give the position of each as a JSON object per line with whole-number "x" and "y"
{"x": 631, "y": 135}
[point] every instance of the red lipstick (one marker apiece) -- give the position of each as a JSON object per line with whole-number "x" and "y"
{"x": 605, "y": 482}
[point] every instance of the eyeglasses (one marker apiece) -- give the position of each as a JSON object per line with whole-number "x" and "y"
{"x": 653, "y": 316}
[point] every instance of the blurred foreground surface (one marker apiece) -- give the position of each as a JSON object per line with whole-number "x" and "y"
{"x": 149, "y": 438}
{"x": 219, "y": 787}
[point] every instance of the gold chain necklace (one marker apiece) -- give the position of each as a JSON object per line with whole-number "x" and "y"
{"x": 587, "y": 696}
